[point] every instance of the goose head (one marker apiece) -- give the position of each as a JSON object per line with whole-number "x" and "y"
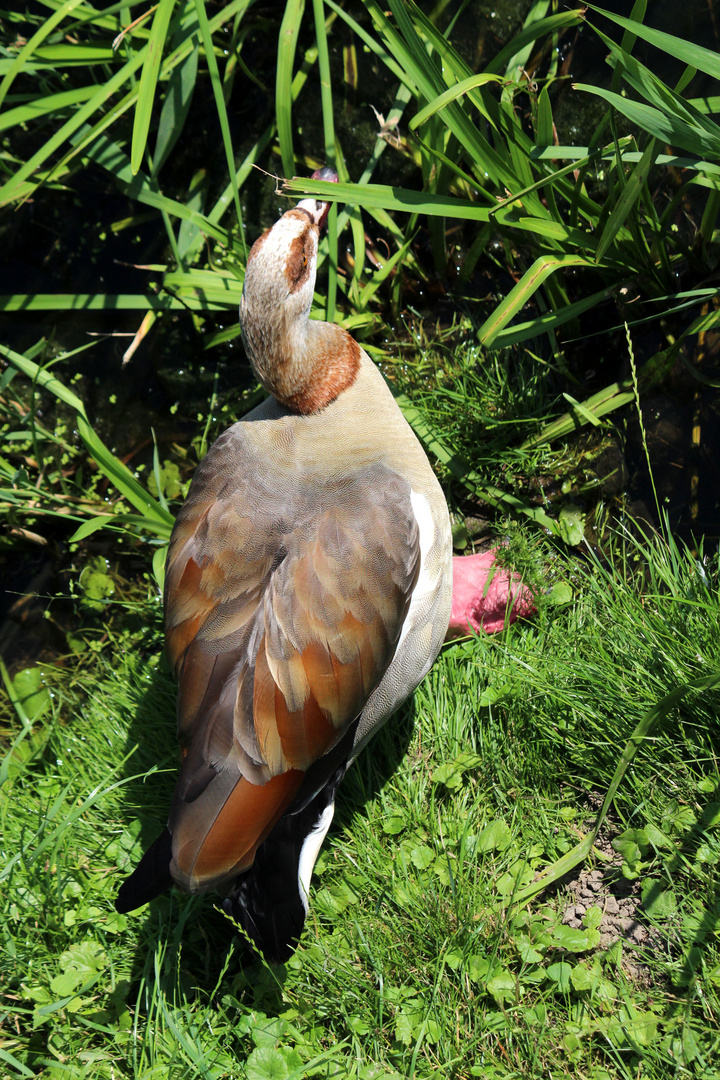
{"x": 303, "y": 364}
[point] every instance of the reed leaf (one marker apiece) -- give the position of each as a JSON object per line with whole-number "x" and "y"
{"x": 148, "y": 81}
{"x": 31, "y": 46}
{"x": 39, "y": 107}
{"x": 178, "y": 98}
{"x": 662, "y": 125}
{"x": 287, "y": 46}
{"x": 139, "y": 186}
{"x": 10, "y": 189}
{"x": 206, "y": 34}
{"x": 628, "y": 199}
{"x": 109, "y": 465}
{"x": 458, "y": 91}
{"x": 382, "y": 196}
{"x": 541, "y": 269}
{"x": 85, "y": 302}
{"x": 326, "y": 101}
{"x": 705, "y": 60}
{"x": 549, "y": 321}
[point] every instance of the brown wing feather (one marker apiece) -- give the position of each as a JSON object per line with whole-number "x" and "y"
{"x": 279, "y": 626}
{"x": 208, "y": 850}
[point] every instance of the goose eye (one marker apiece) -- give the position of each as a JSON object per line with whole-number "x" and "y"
{"x": 300, "y": 265}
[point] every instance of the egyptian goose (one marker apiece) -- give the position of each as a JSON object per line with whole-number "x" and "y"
{"x": 308, "y": 591}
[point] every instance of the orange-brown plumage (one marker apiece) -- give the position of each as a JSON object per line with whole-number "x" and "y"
{"x": 243, "y": 822}
{"x": 339, "y": 362}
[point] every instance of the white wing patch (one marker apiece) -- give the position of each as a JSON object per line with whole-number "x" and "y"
{"x": 427, "y": 582}
{"x": 310, "y": 851}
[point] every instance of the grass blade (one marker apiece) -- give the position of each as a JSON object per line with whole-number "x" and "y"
{"x": 148, "y": 82}
{"x": 287, "y": 46}
{"x": 20, "y": 1069}
{"x": 519, "y": 296}
{"x": 110, "y": 465}
{"x": 493, "y": 496}
{"x": 608, "y": 399}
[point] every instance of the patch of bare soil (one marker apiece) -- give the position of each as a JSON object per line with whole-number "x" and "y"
{"x": 621, "y": 905}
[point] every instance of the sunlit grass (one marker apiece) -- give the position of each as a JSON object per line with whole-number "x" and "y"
{"x": 416, "y": 961}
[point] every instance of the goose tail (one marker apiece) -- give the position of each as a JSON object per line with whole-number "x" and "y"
{"x": 150, "y": 878}
{"x": 270, "y": 900}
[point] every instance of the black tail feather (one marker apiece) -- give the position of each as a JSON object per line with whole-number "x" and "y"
{"x": 273, "y": 925}
{"x": 268, "y": 901}
{"x": 150, "y": 878}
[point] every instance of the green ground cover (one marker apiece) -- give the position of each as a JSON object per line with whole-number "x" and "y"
{"x": 420, "y": 957}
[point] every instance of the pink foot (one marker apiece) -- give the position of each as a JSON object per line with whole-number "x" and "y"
{"x": 485, "y": 597}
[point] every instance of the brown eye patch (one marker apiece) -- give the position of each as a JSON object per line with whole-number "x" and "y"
{"x": 297, "y": 266}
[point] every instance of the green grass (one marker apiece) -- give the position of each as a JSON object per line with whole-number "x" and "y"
{"x": 416, "y": 960}
{"x": 430, "y": 949}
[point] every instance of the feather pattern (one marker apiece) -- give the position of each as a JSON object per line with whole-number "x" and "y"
{"x": 308, "y": 588}
{"x": 285, "y": 645}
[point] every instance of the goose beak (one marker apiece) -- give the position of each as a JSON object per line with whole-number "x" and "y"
{"x": 317, "y": 209}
